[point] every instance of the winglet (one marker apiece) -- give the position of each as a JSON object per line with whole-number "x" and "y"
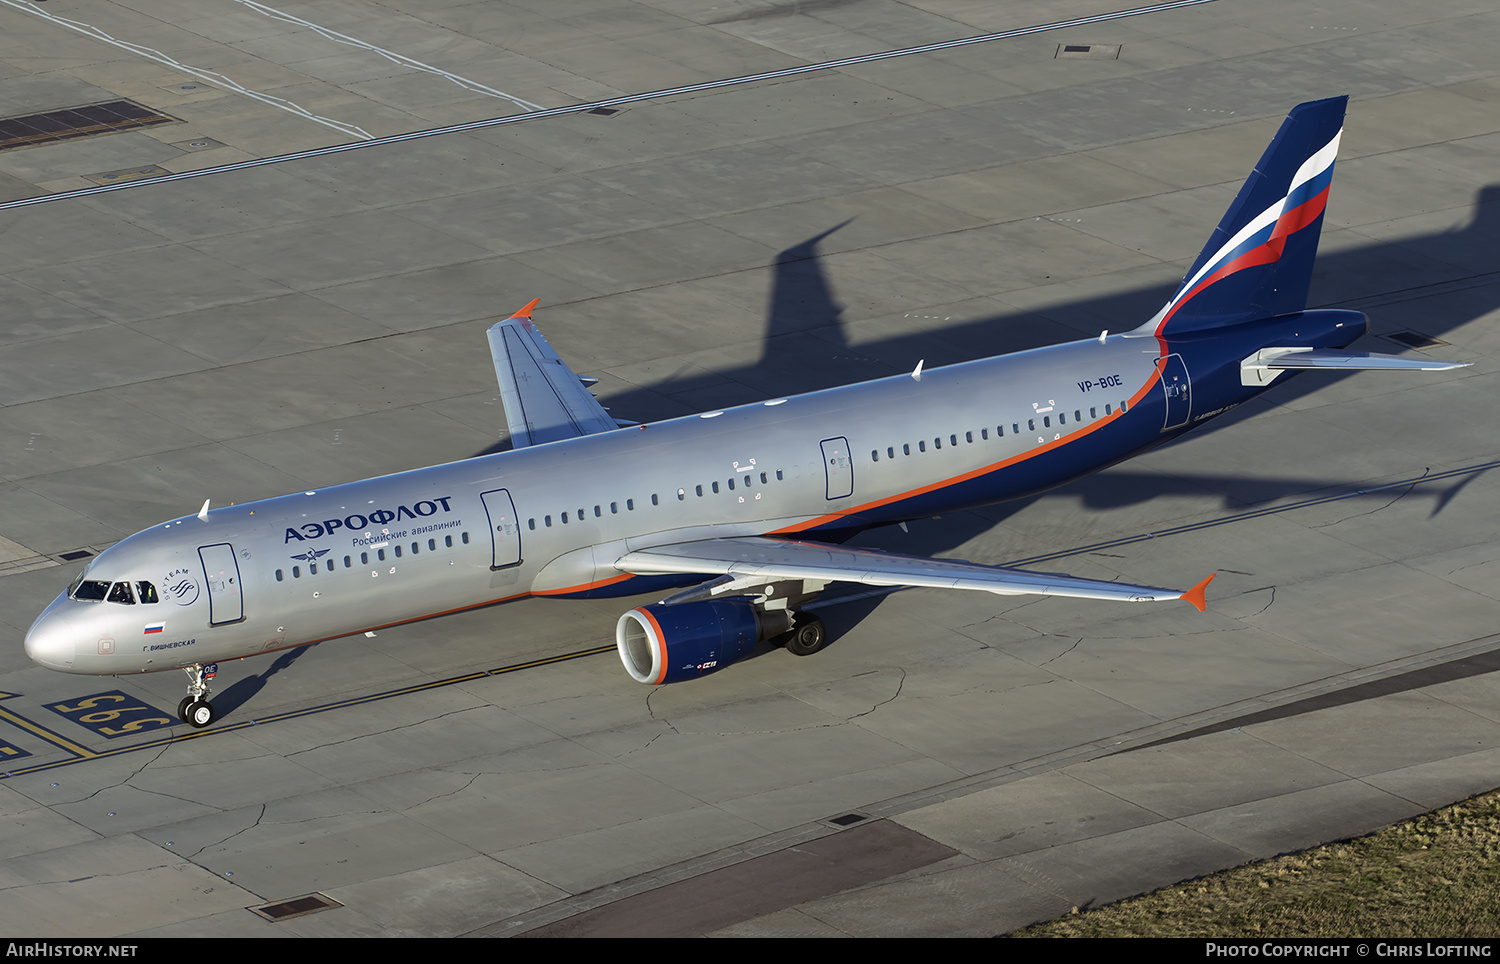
{"x": 1195, "y": 595}
{"x": 203, "y": 512}
{"x": 526, "y": 312}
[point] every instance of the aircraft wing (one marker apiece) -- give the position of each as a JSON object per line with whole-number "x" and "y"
{"x": 544, "y": 400}
{"x": 758, "y": 560}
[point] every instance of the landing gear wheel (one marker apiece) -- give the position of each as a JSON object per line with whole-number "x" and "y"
{"x": 195, "y": 709}
{"x": 199, "y": 714}
{"x": 808, "y": 637}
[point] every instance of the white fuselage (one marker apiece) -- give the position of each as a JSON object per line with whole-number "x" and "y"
{"x": 553, "y": 519}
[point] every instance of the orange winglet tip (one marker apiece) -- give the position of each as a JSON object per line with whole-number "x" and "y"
{"x": 526, "y": 312}
{"x": 1196, "y": 595}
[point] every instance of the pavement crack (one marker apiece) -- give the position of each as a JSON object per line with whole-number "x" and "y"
{"x": 131, "y": 776}
{"x": 1064, "y": 652}
{"x": 221, "y": 842}
{"x": 1401, "y": 494}
{"x": 365, "y": 736}
{"x": 899, "y": 684}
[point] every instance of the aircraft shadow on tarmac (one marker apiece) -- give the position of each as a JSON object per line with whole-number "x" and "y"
{"x": 244, "y": 690}
{"x": 804, "y": 320}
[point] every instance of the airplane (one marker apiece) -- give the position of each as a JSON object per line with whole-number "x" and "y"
{"x": 743, "y": 511}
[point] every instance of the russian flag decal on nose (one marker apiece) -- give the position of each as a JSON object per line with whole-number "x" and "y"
{"x": 154, "y": 628}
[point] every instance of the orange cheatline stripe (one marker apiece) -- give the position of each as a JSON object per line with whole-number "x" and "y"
{"x": 976, "y": 473}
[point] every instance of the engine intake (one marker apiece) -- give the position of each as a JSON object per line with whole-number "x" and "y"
{"x": 665, "y": 644}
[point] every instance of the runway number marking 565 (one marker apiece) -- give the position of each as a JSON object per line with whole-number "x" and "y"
{"x": 112, "y": 715}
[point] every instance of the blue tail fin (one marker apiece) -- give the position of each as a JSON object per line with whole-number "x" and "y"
{"x": 1259, "y": 261}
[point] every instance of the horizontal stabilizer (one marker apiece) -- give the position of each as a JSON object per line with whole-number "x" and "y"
{"x": 756, "y": 561}
{"x": 544, "y": 400}
{"x": 1266, "y": 364}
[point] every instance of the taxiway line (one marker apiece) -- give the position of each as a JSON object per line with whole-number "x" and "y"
{"x": 81, "y": 753}
{"x": 609, "y": 102}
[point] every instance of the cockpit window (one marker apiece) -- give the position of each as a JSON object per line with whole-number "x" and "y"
{"x": 120, "y": 593}
{"x": 146, "y": 591}
{"x": 91, "y": 590}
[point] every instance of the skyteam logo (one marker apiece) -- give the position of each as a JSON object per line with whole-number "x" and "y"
{"x": 181, "y": 587}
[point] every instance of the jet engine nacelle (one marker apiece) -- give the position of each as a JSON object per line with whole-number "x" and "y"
{"x": 664, "y": 644}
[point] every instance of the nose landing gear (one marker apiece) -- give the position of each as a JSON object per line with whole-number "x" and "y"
{"x": 195, "y": 710}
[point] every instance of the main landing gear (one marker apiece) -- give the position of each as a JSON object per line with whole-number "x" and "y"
{"x": 807, "y": 636}
{"x": 196, "y": 711}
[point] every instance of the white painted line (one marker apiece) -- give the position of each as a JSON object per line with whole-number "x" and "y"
{"x": 595, "y": 105}
{"x": 87, "y": 30}
{"x": 392, "y": 56}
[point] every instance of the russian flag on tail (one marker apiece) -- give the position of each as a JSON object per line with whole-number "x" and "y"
{"x": 1258, "y": 263}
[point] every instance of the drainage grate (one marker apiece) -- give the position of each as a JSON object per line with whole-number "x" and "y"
{"x": 847, "y": 820}
{"x": 61, "y": 125}
{"x": 1414, "y": 339}
{"x": 604, "y": 111}
{"x": 296, "y": 907}
{"x": 1088, "y": 52}
{"x": 74, "y": 555}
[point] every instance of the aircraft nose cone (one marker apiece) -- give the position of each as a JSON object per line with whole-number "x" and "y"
{"x": 48, "y": 644}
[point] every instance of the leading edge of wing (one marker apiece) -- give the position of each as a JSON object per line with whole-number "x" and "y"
{"x": 757, "y": 559}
